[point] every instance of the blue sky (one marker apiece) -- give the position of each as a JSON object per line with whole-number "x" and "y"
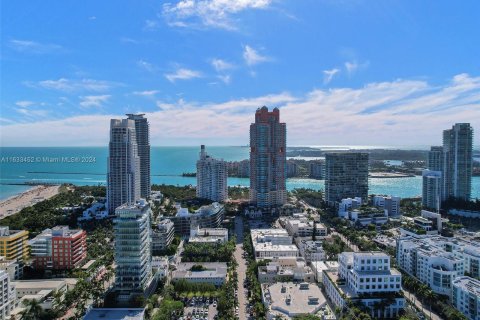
{"x": 342, "y": 72}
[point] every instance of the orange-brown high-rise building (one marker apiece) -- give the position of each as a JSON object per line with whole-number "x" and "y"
{"x": 268, "y": 143}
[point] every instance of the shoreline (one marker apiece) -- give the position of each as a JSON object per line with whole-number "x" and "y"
{"x": 28, "y": 198}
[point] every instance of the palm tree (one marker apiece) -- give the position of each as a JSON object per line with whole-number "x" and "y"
{"x": 32, "y": 310}
{"x": 430, "y": 296}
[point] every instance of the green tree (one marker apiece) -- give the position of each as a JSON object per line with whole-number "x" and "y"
{"x": 32, "y": 311}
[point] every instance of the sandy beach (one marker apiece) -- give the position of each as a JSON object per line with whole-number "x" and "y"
{"x": 28, "y": 198}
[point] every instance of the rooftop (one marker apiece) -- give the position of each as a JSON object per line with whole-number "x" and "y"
{"x": 40, "y": 284}
{"x": 290, "y": 299}
{"x": 468, "y": 284}
{"x": 213, "y": 270}
{"x": 115, "y": 314}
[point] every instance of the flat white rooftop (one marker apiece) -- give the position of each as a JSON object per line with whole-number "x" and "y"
{"x": 115, "y": 314}
{"x": 291, "y": 299}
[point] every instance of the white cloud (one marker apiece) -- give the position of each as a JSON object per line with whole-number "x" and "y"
{"x": 329, "y": 74}
{"x": 252, "y": 57}
{"x": 221, "y": 65}
{"x": 28, "y": 46}
{"x": 146, "y": 93}
{"x": 209, "y": 13}
{"x": 32, "y": 113}
{"x": 24, "y": 103}
{"x": 150, "y": 25}
{"x": 92, "y": 18}
{"x": 182, "y": 74}
{"x": 71, "y": 85}
{"x": 386, "y": 113}
{"x": 93, "y": 101}
{"x": 352, "y": 66}
{"x": 225, "y": 78}
{"x": 146, "y": 66}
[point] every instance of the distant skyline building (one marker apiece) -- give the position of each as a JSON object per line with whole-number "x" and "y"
{"x": 435, "y": 158}
{"x": 346, "y": 176}
{"x": 123, "y": 175}
{"x": 133, "y": 251}
{"x": 268, "y": 170}
{"x": 431, "y": 189}
{"x": 142, "y": 130}
{"x": 458, "y": 161}
{"x": 211, "y": 177}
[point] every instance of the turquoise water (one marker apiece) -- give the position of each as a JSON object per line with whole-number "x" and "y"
{"x": 88, "y": 165}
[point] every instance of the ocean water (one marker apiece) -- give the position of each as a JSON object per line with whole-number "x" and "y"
{"x": 88, "y": 166}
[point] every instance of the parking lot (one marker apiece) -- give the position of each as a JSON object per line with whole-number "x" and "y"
{"x": 200, "y": 309}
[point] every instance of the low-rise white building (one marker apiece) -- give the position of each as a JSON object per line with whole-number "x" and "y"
{"x": 348, "y": 204}
{"x": 288, "y": 299}
{"x": 466, "y": 296}
{"x": 97, "y": 211}
{"x": 389, "y": 203}
{"x": 436, "y": 219}
{"x": 208, "y": 235}
{"x": 366, "y": 216}
{"x": 311, "y": 250}
{"x": 285, "y": 269}
{"x": 210, "y": 272}
{"x": 42, "y": 291}
{"x": 366, "y": 277}
{"x": 301, "y": 226}
{"x": 270, "y": 243}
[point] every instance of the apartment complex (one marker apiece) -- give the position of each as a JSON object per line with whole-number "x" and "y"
{"x": 123, "y": 176}
{"x": 162, "y": 236}
{"x": 143, "y": 145}
{"x": 268, "y": 143}
{"x": 466, "y": 297}
{"x": 59, "y": 248}
{"x": 210, "y": 216}
{"x": 366, "y": 277}
{"x": 437, "y": 261}
{"x": 211, "y": 177}
{"x": 133, "y": 257}
{"x": 13, "y": 244}
{"x": 346, "y": 176}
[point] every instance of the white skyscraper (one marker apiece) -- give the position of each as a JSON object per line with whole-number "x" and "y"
{"x": 123, "y": 176}
{"x": 211, "y": 177}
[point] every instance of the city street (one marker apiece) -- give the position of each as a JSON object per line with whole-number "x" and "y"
{"x": 418, "y": 303}
{"x": 348, "y": 243}
{"x": 241, "y": 269}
